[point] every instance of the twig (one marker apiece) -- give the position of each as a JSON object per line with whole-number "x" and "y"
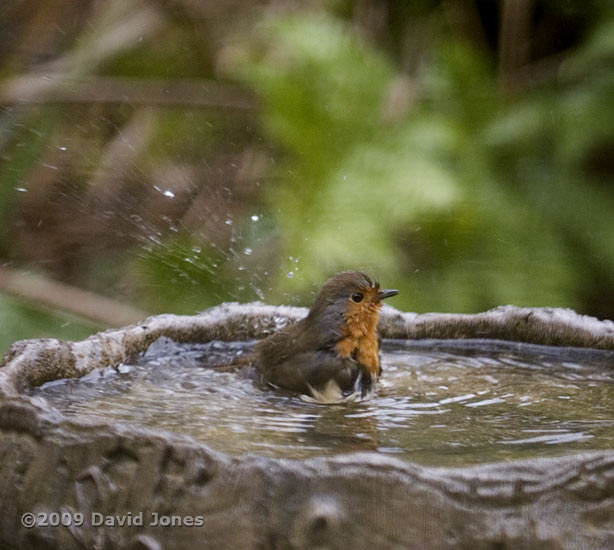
{"x": 70, "y": 299}
{"x": 514, "y": 37}
{"x": 58, "y": 88}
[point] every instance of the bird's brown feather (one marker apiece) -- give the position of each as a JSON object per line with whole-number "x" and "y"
{"x": 337, "y": 341}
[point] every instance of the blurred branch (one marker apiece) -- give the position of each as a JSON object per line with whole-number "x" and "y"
{"x": 514, "y": 41}
{"x": 76, "y": 301}
{"x": 115, "y": 28}
{"x": 534, "y": 74}
{"x": 464, "y": 19}
{"x": 35, "y": 89}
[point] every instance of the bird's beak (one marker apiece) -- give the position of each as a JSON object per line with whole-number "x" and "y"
{"x": 383, "y": 294}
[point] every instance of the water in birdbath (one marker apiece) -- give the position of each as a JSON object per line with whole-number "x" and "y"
{"x": 438, "y": 403}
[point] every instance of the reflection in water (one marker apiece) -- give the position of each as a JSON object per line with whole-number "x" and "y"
{"x": 433, "y": 405}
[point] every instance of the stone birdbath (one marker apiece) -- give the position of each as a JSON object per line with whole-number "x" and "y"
{"x": 70, "y": 476}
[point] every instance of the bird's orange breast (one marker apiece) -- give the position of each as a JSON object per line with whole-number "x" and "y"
{"x": 359, "y": 336}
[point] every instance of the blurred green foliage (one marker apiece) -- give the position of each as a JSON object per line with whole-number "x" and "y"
{"x": 20, "y": 321}
{"x": 385, "y": 136}
{"x": 464, "y": 202}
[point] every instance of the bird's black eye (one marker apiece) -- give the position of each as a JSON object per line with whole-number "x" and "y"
{"x": 357, "y": 297}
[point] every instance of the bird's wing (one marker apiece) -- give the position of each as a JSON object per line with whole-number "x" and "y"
{"x": 307, "y": 371}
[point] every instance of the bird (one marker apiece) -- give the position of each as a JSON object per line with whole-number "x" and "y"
{"x": 331, "y": 355}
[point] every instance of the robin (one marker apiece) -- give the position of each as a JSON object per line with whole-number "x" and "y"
{"x": 333, "y": 353}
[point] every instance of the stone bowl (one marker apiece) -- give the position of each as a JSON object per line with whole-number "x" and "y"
{"x": 70, "y": 483}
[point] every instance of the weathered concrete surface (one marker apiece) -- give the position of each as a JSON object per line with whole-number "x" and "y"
{"x": 545, "y": 326}
{"x": 360, "y": 501}
{"x": 50, "y": 464}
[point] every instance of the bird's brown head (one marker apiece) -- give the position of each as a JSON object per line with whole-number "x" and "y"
{"x": 348, "y": 305}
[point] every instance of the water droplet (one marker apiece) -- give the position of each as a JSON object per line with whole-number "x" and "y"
{"x": 228, "y": 222}
{"x": 196, "y": 249}
{"x": 290, "y": 274}
{"x": 247, "y": 251}
{"x": 169, "y": 194}
{"x": 21, "y": 189}
{"x": 280, "y": 322}
{"x": 62, "y": 148}
{"x": 255, "y": 217}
